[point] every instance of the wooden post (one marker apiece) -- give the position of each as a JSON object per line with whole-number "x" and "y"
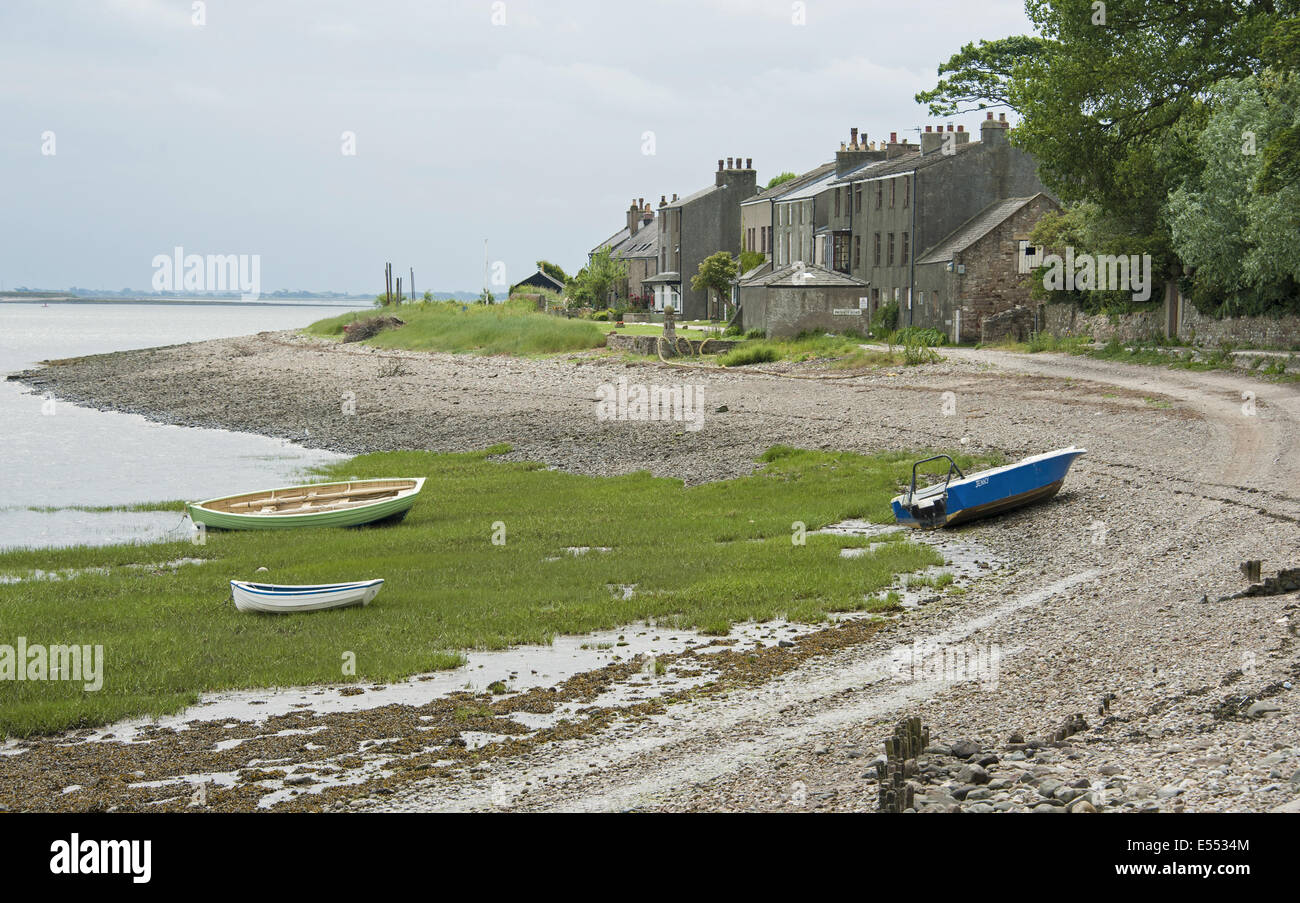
{"x": 411, "y": 287}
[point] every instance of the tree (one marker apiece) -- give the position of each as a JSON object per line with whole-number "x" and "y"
{"x": 777, "y": 180}
{"x": 593, "y": 283}
{"x": 552, "y": 270}
{"x": 717, "y": 272}
{"x": 1244, "y": 245}
{"x": 1113, "y": 97}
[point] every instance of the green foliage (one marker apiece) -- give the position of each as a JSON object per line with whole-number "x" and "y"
{"x": 1243, "y": 245}
{"x": 758, "y": 353}
{"x": 716, "y": 273}
{"x": 592, "y": 285}
{"x": 885, "y": 319}
{"x": 979, "y": 76}
{"x": 510, "y": 328}
{"x": 448, "y": 588}
{"x": 777, "y": 180}
{"x": 924, "y": 336}
{"x": 751, "y": 259}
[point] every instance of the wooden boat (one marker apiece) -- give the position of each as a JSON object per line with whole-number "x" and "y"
{"x": 315, "y": 505}
{"x": 271, "y": 597}
{"x": 984, "y": 493}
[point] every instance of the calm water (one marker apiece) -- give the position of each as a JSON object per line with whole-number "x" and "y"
{"x": 75, "y": 456}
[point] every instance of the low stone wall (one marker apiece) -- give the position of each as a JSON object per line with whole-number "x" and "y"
{"x": 1254, "y": 332}
{"x": 643, "y": 316}
{"x": 1193, "y": 327}
{"x": 1016, "y": 324}
{"x": 1067, "y": 320}
{"x": 651, "y": 344}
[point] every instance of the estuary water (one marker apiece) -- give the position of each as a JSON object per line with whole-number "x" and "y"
{"x": 58, "y": 459}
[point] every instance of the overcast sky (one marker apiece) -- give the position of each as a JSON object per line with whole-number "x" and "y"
{"x": 227, "y": 137}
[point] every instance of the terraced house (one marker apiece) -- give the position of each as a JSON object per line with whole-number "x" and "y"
{"x": 692, "y": 228}
{"x": 884, "y": 217}
{"x": 636, "y": 246}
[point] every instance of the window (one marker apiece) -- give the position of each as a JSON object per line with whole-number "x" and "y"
{"x": 801, "y": 214}
{"x": 857, "y": 250}
{"x": 842, "y": 253}
{"x": 857, "y": 198}
{"x": 875, "y": 298}
{"x": 837, "y": 202}
{"x": 890, "y": 258}
{"x": 893, "y": 192}
{"x": 880, "y": 194}
{"x": 877, "y": 254}
{"x": 907, "y": 192}
{"x": 906, "y": 238}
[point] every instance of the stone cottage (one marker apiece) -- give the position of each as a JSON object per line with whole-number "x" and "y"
{"x": 980, "y": 269}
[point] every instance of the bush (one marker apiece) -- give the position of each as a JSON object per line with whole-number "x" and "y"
{"x": 885, "y": 320}
{"x": 749, "y": 354}
{"x": 916, "y": 335}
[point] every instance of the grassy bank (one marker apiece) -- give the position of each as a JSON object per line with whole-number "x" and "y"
{"x": 510, "y": 328}
{"x": 705, "y": 556}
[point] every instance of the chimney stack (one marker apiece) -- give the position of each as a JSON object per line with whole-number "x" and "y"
{"x": 856, "y": 152}
{"x": 931, "y": 140}
{"x": 633, "y": 219}
{"x": 897, "y": 148}
{"x": 994, "y": 131}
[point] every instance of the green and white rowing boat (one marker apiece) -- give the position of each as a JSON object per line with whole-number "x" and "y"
{"x": 314, "y": 505}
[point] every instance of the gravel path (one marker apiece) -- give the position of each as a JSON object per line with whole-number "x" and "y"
{"x": 1112, "y": 608}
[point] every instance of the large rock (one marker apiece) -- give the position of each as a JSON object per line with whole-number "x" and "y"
{"x": 1015, "y": 324}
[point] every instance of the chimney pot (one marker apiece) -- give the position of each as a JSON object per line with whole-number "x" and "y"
{"x": 729, "y": 159}
{"x": 1002, "y": 117}
{"x": 929, "y": 128}
{"x": 893, "y": 137}
{"x": 663, "y": 200}
{"x": 720, "y": 162}
{"x": 990, "y": 115}
{"x": 749, "y": 162}
{"x": 853, "y": 137}
{"x": 960, "y": 128}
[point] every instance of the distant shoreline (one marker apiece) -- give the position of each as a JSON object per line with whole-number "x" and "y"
{"x": 304, "y": 302}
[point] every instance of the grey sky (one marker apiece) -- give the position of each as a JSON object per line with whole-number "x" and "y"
{"x": 226, "y": 138}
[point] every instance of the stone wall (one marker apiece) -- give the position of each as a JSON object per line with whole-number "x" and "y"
{"x": 1192, "y": 326}
{"x": 785, "y": 311}
{"x": 650, "y": 344}
{"x": 1255, "y": 332}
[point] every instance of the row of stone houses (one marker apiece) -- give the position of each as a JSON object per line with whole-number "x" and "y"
{"x": 940, "y": 229}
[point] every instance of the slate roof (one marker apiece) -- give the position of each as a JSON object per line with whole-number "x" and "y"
{"x": 669, "y": 277}
{"x": 906, "y": 163}
{"x": 974, "y": 229}
{"x": 559, "y": 286}
{"x": 779, "y": 191}
{"x": 645, "y": 243}
{"x": 805, "y": 275}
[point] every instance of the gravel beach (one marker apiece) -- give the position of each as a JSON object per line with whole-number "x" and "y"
{"x": 1109, "y": 602}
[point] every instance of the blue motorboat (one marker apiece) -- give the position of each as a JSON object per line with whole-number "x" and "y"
{"x": 955, "y": 501}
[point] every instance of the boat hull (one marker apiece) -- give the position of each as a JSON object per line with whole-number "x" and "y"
{"x": 387, "y": 509}
{"x": 989, "y": 492}
{"x": 281, "y": 599}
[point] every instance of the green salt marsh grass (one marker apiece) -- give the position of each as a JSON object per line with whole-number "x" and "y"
{"x": 510, "y": 328}
{"x": 704, "y": 557}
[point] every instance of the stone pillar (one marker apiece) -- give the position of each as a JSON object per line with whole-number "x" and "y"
{"x": 670, "y": 325}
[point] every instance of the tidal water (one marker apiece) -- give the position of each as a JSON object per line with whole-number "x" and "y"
{"x": 58, "y": 458}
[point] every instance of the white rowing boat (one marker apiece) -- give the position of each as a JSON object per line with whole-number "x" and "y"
{"x": 272, "y": 597}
